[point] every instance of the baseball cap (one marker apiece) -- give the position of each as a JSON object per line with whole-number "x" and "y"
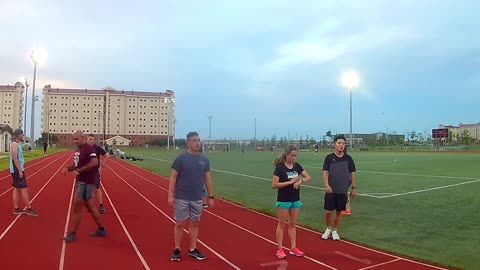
{"x": 17, "y": 132}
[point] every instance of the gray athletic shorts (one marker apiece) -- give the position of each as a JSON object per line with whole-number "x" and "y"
{"x": 84, "y": 191}
{"x": 187, "y": 209}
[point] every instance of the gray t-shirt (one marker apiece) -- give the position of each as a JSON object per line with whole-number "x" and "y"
{"x": 191, "y": 176}
{"x": 340, "y": 170}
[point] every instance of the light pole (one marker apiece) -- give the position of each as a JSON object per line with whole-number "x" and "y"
{"x": 210, "y": 117}
{"x": 167, "y": 101}
{"x": 48, "y": 127}
{"x": 38, "y": 56}
{"x": 350, "y": 80}
{"x": 25, "y": 104}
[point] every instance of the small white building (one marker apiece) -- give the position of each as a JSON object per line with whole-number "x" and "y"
{"x": 5, "y": 137}
{"x": 118, "y": 141}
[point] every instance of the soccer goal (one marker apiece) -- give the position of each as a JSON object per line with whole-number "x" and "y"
{"x": 216, "y": 147}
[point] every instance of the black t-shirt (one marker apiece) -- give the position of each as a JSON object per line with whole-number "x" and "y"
{"x": 288, "y": 193}
{"x": 340, "y": 170}
{"x": 100, "y": 152}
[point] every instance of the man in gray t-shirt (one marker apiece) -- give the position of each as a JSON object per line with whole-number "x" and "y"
{"x": 190, "y": 171}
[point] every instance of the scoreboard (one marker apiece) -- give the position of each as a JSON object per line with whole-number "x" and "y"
{"x": 438, "y": 133}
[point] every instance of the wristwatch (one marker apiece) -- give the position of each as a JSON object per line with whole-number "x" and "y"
{"x": 353, "y": 187}
{"x": 211, "y": 197}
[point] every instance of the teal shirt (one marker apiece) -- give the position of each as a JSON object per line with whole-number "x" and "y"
{"x": 20, "y": 158}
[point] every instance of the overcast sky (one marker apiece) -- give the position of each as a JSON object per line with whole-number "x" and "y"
{"x": 275, "y": 61}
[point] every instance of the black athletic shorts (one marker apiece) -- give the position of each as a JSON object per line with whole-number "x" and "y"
{"x": 334, "y": 201}
{"x": 19, "y": 182}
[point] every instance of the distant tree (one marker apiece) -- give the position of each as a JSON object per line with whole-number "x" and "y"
{"x": 466, "y": 139}
{"x": 274, "y": 139}
{"x": 413, "y": 137}
{"x": 44, "y": 137}
{"x": 329, "y": 135}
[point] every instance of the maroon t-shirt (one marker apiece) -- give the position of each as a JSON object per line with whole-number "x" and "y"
{"x": 81, "y": 158}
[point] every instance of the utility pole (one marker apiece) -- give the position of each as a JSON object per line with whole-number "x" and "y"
{"x": 210, "y": 117}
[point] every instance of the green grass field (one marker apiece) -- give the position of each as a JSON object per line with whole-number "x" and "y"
{"x": 29, "y": 155}
{"x": 422, "y": 205}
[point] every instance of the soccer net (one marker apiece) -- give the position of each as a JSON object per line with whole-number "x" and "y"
{"x": 216, "y": 147}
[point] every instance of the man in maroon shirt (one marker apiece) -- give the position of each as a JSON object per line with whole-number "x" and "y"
{"x": 85, "y": 168}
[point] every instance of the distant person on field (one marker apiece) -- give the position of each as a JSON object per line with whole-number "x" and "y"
{"x": 338, "y": 174}
{"x": 190, "y": 172}
{"x": 17, "y": 169}
{"x": 100, "y": 152}
{"x": 316, "y": 149}
{"x": 45, "y": 148}
{"x": 85, "y": 163}
{"x": 287, "y": 178}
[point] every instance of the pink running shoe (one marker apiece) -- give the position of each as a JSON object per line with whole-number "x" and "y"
{"x": 296, "y": 252}
{"x": 281, "y": 254}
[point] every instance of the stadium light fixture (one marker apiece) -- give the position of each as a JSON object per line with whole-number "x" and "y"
{"x": 350, "y": 80}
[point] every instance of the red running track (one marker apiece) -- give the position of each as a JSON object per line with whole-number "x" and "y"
{"x": 140, "y": 229}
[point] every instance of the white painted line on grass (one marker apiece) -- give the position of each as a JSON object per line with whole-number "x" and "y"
{"x": 64, "y": 244}
{"x": 430, "y": 189}
{"x": 31, "y": 201}
{"x": 229, "y": 222}
{"x": 265, "y": 179}
{"x": 173, "y": 221}
{"x": 139, "y": 254}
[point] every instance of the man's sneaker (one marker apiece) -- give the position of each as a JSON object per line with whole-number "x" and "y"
{"x": 326, "y": 234}
{"x": 197, "y": 254}
{"x": 205, "y": 206}
{"x": 70, "y": 237}
{"x": 296, "y": 252}
{"x": 175, "y": 255}
{"x": 99, "y": 233}
{"x": 102, "y": 209}
{"x": 32, "y": 212}
{"x": 18, "y": 211}
{"x": 281, "y": 254}
{"x": 347, "y": 212}
{"x": 335, "y": 235}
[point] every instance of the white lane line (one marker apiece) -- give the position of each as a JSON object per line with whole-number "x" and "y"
{"x": 315, "y": 232}
{"x": 232, "y": 223}
{"x": 64, "y": 244}
{"x": 351, "y": 257}
{"x": 139, "y": 254}
{"x": 31, "y": 201}
{"x": 169, "y": 218}
{"x": 379, "y": 264}
{"x": 28, "y": 176}
{"x": 264, "y": 179}
{"x": 29, "y": 166}
{"x": 429, "y": 189}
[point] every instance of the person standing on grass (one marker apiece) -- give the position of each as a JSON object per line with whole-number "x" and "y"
{"x": 190, "y": 171}
{"x": 338, "y": 175}
{"x": 17, "y": 169}
{"x": 100, "y": 152}
{"x": 287, "y": 178}
{"x": 45, "y": 148}
{"x": 85, "y": 163}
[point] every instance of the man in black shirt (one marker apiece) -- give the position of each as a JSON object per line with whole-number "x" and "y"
{"x": 338, "y": 174}
{"x": 100, "y": 152}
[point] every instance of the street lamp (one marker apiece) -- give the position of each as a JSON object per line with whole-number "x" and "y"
{"x": 48, "y": 127}
{"x": 210, "y": 117}
{"x": 168, "y": 101}
{"x": 38, "y": 56}
{"x": 24, "y": 79}
{"x": 350, "y": 80}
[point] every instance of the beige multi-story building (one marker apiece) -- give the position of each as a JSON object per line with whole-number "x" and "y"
{"x": 12, "y": 102}
{"x": 457, "y": 131}
{"x": 137, "y": 116}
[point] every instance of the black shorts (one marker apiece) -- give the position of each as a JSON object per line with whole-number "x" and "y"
{"x": 19, "y": 182}
{"x": 334, "y": 201}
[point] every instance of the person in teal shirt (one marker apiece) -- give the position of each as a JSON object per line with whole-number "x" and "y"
{"x": 17, "y": 169}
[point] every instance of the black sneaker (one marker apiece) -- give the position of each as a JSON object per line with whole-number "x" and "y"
{"x": 175, "y": 255}
{"x": 70, "y": 237}
{"x": 99, "y": 233}
{"x": 18, "y": 211}
{"x": 32, "y": 212}
{"x": 197, "y": 254}
{"x": 102, "y": 209}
